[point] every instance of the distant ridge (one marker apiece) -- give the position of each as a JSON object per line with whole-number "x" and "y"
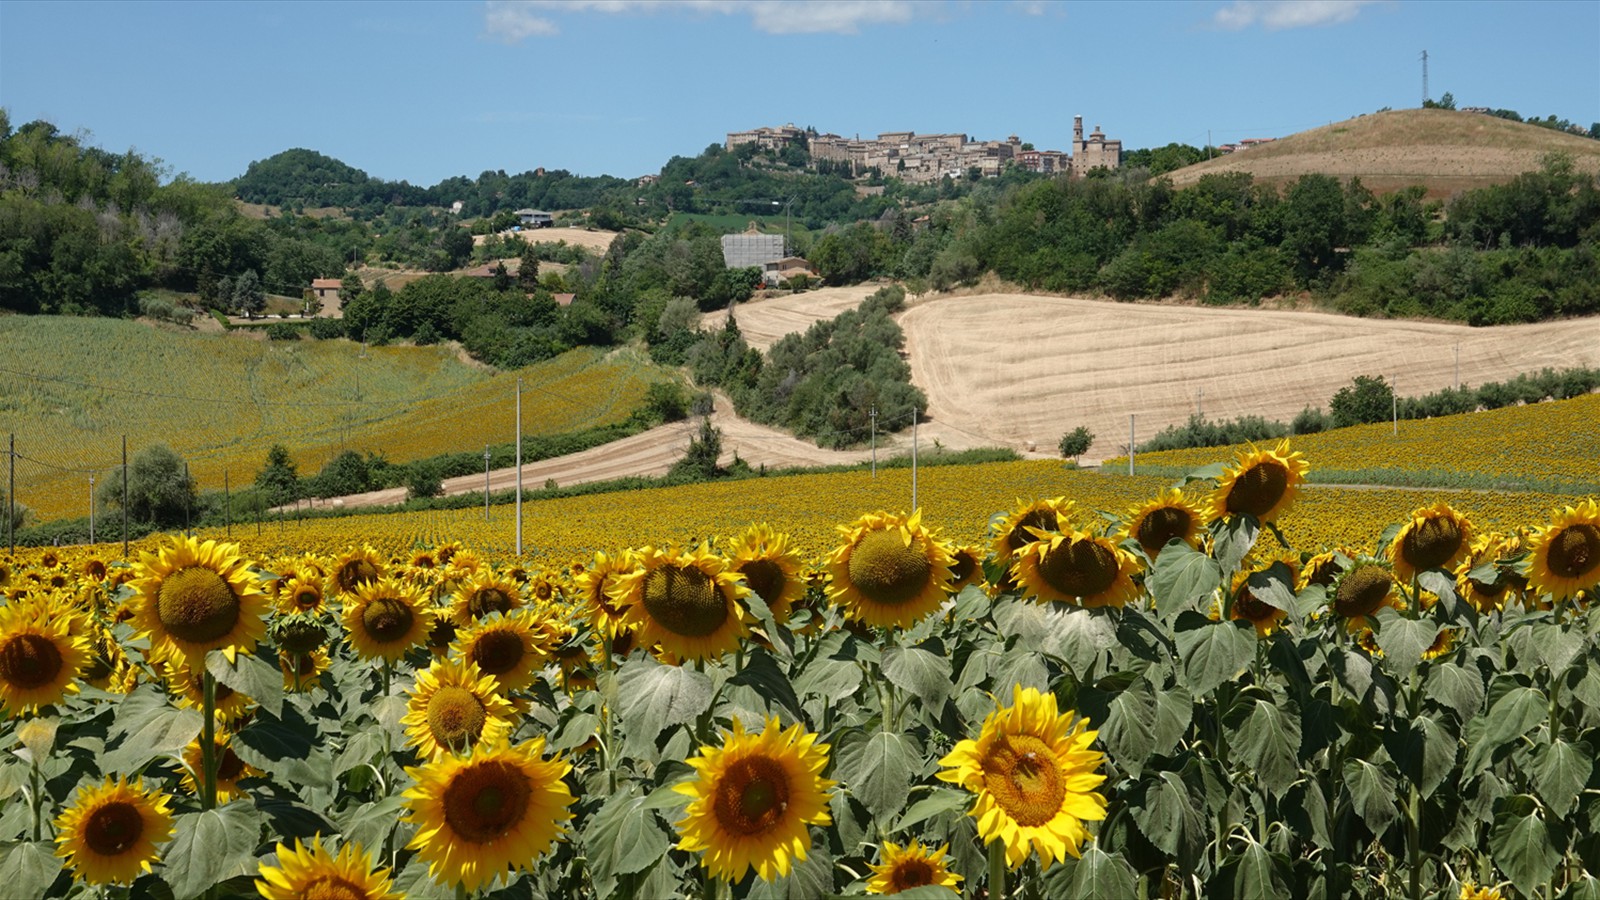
{"x": 1444, "y": 150}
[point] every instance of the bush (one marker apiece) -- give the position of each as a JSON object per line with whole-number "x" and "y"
{"x": 666, "y": 401}
{"x": 423, "y": 481}
{"x": 282, "y": 331}
{"x": 1309, "y": 421}
{"x": 1199, "y": 432}
{"x": 326, "y": 329}
{"x": 1076, "y": 442}
{"x": 1365, "y": 400}
{"x": 160, "y": 490}
{"x": 347, "y": 473}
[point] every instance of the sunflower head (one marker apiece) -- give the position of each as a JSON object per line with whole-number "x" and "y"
{"x": 752, "y": 800}
{"x": 1247, "y": 607}
{"x": 1471, "y": 891}
{"x": 1262, "y": 483}
{"x": 1566, "y": 553}
{"x": 298, "y": 632}
{"x": 355, "y": 568}
{"x": 911, "y": 866}
{"x": 1364, "y": 588}
{"x": 890, "y": 571}
{"x": 230, "y": 768}
{"x": 108, "y": 834}
{"x": 1488, "y": 596}
{"x": 386, "y": 618}
{"x": 303, "y": 671}
{"x": 499, "y": 809}
{"x": 770, "y": 567}
{"x": 307, "y": 872}
{"x": 1076, "y": 568}
{"x": 593, "y": 586}
{"x": 453, "y": 708}
{"x": 686, "y": 603}
{"x": 967, "y": 567}
{"x": 1168, "y": 516}
{"x": 303, "y": 592}
{"x": 39, "y": 658}
{"x": 1010, "y": 531}
{"x": 482, "y": 593}
{"x": 186, "y": 683}
{"x": 1034, "y": 775}
{"x": 1436, "y": 537}
{"x": 1324, "y": 568}
{"x": 505, "y": 647}
{"x": 194, "y": 596}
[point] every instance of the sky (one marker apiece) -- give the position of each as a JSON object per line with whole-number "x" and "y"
{"x": 422, "y": 91}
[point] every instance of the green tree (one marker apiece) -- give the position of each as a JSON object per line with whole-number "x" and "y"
{"x": 159, "y": 489}
{"x": 528, "y": 269}
{"x": 347, "y": 473}
{"x": 699, "y": 462}
{"x": 248, "y": 296}
{"x": 423, "y": 481}
{"x": 1076, "y": 442}
{"x": 278, "y": 481}
{"x": 1365, "y": 400}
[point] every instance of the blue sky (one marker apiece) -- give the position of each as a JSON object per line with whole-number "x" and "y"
{"x": 422, "y": 91}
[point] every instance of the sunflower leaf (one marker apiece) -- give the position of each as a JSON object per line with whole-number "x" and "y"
{"x": 831, "y": 679}
{"x": 1078, "y": 636}
{"x": 1269, "y": 742}
{"x": 1516, "y": 712}
{"x": 1403, "y": 640}
{"x": 1273, "y": 586}
{"x": 652, "y": 698}
{"x": 251, "y": 677}
{"x": 1235, "y": 538}
{"x": 621, "y": 838}
{"x": 1522, "y": 844}
{"x": 29, "y": 868}
{"x": 1167, "y": 815}
{"x": 1183, "y": 576}
{"x": 211, "y": 846}
{"x": 878, "y": 769}
{"x": 921, "y": 672}
{"x": 1129, "y": 729}
{"x": 289, "y": 748}
{"x": 1259, "y": 875}
{"x": 1425, "y": 751}
{"x": 939, "y": 800}
{"x": 1456, "y": 688}
{"x": 1213, "y": 652}
{"x": 1372, "y": 793}
{"x": 149, "y": 726}
{"x": 1101, "y": 876}
{"x": 1560, "y": 772}
{"x": 761, "y": 673}
{"x": 807, "y": 879}
{"x": 1557, "y": 646}
{"x": 370, "y": 823}
{"x": 1174, "y": 711}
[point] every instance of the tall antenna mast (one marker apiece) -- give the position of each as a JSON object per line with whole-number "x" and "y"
{"x": 1424, "y": 78}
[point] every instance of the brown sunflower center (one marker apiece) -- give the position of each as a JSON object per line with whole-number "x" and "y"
{"x": 1362, "y": 591}
{"x": 685, "y": 601}
{"x": 765, "y": 577}
{"x": 488, "y": 600}
{"x": 1324, "y": 573}
{"x": 1575, "y": 551}
{"x": 751, "y": 796}
{"x": 1161, "y": 525}
{"x": 911, "y": 872}
{"x": 1042, "y": 519}
{"x": 887, "y": 571}
{"x": 486, "y": 800}
{"x": 308, "y": 598}
{"x": 1022, "y": 774}
{"x": 113, "y": 828}
{"x": 1259, "y": 488}
{"x": 95, "y": 569}
{"x": 387, "y": 619}
{"x": 498, "y": 652}
{"x": 442, "y": 633}
{"x": 331, "y": 887}
{"x": 30, "y": 660}
{"x": 1431, "y": 544}
{"x": 301, "y": 635}
{"x": 230, "y": 766}
{"x": 196, "y": 605}
{"x": 355, "y": 573}
{"x": 456, "y": 716}
{"x": 1252, "y": 609}
{"x": 302, "y": 664}
{"x": 1079, "y": 568}
{"x": 964, "y": 567}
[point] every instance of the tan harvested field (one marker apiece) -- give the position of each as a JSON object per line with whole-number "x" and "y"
{"x": 1004, "y": 369}
{"x": 595, "y": 241}
{"x": 1444, "y": 150}
{"x": 764, "y": 321}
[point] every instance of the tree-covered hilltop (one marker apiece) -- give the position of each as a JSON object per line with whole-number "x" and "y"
{"x": 308, "y": 178}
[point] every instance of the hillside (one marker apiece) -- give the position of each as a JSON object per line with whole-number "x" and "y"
{"x": 1445, "y": 150}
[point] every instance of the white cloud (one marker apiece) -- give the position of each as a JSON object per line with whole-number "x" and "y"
{"x": 513, "y": 21}
{"x": 1277, "y": 15}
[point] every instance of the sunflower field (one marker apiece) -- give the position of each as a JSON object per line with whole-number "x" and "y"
{"x": 1185, "y": 700}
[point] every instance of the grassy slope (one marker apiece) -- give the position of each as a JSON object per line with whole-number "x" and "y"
{"x": 73, "y": 387}
{"x": 1445, "y": 150}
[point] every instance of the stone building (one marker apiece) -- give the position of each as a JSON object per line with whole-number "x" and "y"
{"x": 1095, "y": 153}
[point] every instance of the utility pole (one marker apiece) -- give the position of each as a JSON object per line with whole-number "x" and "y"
{"x": 1424, "y": 78}
{"x": 1458, "y": 365}
{"x": 11, "y": 496}
{"x": 227, "y": 504}
{"x": 519, "y": 467}
{"x": 1394, "y": 401}
{"x": 913, "y": 459}
{"x": 1130, "y": 443}
{"x": 1208, "y": 143}
{"x": 124, "y": 496}
{"x": 1199, "y": 402}
{"x": 91, "y": 509}
{"x": 874, "y": 414}
{"x": 486, "y": 482}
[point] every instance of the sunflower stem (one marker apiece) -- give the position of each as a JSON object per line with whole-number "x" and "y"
{"x": 997, "y": 870}
{"x": 34, "y": 796}
{"x": 208, "y": 735}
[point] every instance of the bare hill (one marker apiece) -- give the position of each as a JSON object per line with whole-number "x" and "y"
{"x": 1444, "y": 150}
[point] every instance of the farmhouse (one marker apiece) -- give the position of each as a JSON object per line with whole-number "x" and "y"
{"x": 326, "y": 292}
{"x": 778, "y": 271}
{"x": 751, "y": 249}
{"x": 535, "y": 218}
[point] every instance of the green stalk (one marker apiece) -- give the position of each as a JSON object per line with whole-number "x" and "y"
{"x": 36, "y": 797}
{"x": 208, "y": 734}
{"x": 1414, "y": 841}
{"x": 997, "y": 870}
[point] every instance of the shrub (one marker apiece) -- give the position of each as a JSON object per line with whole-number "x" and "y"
{"x": 1076, "y": 442}
{"x": 283, "y": 331}
{"x": 423, "y": 481}
{"x": 160, "y": 490}
{"x": 326, "y": 329}
{"x": 1309, "y": 421}
{"x": 1365, "y": 400}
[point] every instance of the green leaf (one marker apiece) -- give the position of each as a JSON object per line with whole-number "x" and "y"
{"x": 939, "y": 801}
{"x": 211, "y": 846}
{"x": 1560, "y": 771}
{"x": 808, "y": 879}
{"x": 1521, "y": 844}
{"x": 1078, "y": 636}
{"x": 878, "y": 770}
{"x": 1258, "y": 876}
{"x": 1558, "y": 646}
{"x": 1170, "y": 819}
{"x": 834, "y": 680}
{"x": 1452, "y": 686}
{"x": 1212, "y": 472}
{"x": 761, "y": 672}
{"x": 1174, "y": 710}
{"x": 29, "y": 868}
{"x": 575, "y": 732}
{"x": 1019, "y": 667}
{"x": 1129, "y": 729}
{"x": 1584, "y": 887}
{"x": 1269, "y": 742}
{"x": 1516, "y": 712}
{"x": 1100, "y": 876}
{"x": 622, "y": 838}
{"x": 1274, "y": 586}
{"x": 1235, "y": 537}
{"x": 370, "y": 823}
{"x": 1402, "y": 640}
{"x": 652, "y": 698}
{"x": 1424, "y": 750}
{"x": 1213, "y": 652}
{"x": 288, "y": 748}
{"x": 1372, "y": 794}
{"x": 149, "y": 727}
{"x": 251, "y": 677}
{"x": 1183, "y": 577}
{"x": 925, "y": 674}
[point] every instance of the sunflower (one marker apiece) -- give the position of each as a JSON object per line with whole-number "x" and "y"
{"x": 1364, "y": 588}
{"x": 481, "y": 593}
{"x": 1437, "y": 537}
{"x": 230, "y": 768}
{"x": 453, "y": 708}
{"x": 544, "y": 587}
{"x": 1168, "y": 516}
{"x": 311, "y": 667}
{"x": 304, "y": 873}
{"x": 501, "y": 808}
{"x": 967, "y": 568}
{"x": 593, "y": 586}
{"x": 770, "y": 566}
{"x": 303, "y": 592}
{"x": 355, "y": 568}
{"x": 194, "y": 596}
{"x": 39, "y": 658}
{"x": 1566, "y": 553}
{"x": 912, "y": 866}
{"x": 1443, "y": 643}
{"x": 107, "y": 660}
{"x": 386, "y": 618}
{"x": 1247, "y": 607}
{"x": 1323, "y": 568}
{"x": 1034, "y": 775}
{"x": 685, "y": 602}
{"x": 890, "y": 571}
{"x": 109, "y": 832}
{"x": 505, "y": 647}
{"x": 1011, "y": 531}
{"x": 752, "y": 800}
{"x": 186, "y": 683}
{"x": 1076, "y": 568}
{"x": 1262, "y": 483}
{"x": 1470, "y": 891}
{"x": 1489, "y": 596}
